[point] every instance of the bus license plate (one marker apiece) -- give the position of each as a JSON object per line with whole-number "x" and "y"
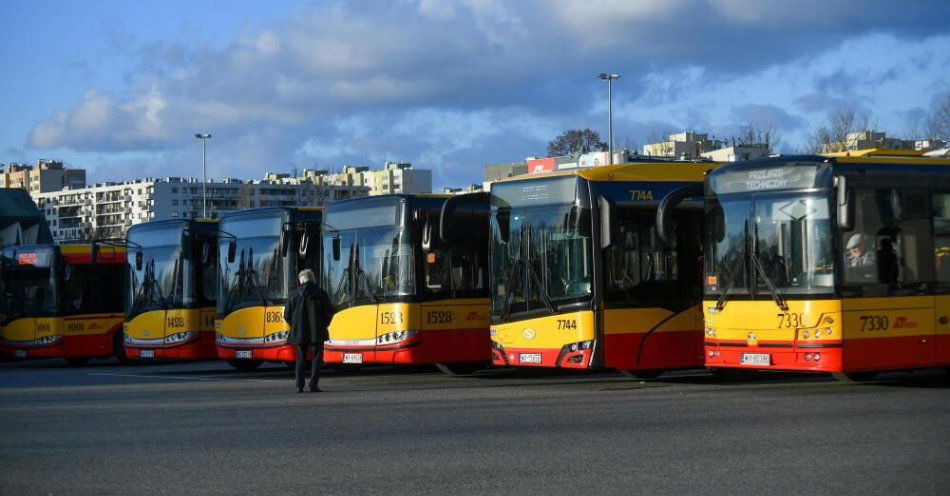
{"x": 756, "y": 359}
{"x": 20, "y": 353}
{"x": 244, "y": 354}
{"x": 529, "y": 358}
{"x": 352, "y": 358}
{"x": 147, "y": 354}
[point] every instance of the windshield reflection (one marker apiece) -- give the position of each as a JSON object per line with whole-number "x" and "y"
{"x": 375, "y": 264}
{"x": 782, "y": 241}
{"x": 541, "y": 256}
{"x": 161, "y": 282}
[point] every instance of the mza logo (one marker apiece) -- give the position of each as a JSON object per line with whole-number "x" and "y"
{"x": 904, "y": 323}
{"x": 473, "y": 315}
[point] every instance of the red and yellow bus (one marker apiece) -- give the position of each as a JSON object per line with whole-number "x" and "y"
{"x": 581, "y": 277}
{"x": 260, "y": 253}
{"x": 408, "y": 277}
{"x": 834, "y": 264}
{"x": 63, "y": 301}
{"x": 172, "y": 289}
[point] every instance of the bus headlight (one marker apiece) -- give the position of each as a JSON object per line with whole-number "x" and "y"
{"x": 816, "y": 356}
{"x": 395, "y": 337}
{"x": 179, "y": 337}
{"x": 276, "y": 337}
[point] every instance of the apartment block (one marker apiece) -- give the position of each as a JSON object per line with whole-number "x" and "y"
{"x": 107, "y": 210}
{"x": 392, "y": 178}
{"x": 44, "y": 177}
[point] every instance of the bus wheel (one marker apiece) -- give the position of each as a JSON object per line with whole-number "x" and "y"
{"x": 245, "y": 365}
{"x": 855, "y": 376}
{"x": 465, "y": 368}
{"x": 118, "y": 349}
{"x": 76, "y": 361}
{"x": 643, "y": 374}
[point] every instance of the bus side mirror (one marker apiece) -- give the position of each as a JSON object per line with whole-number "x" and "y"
{"x": 284, "y": 239}
{"x": 138, "y": 260}
{"x": 185, "y": 246}
{"x": 664, "y": 211}
{"x": 232, "y": 250}
{"x": 845, "y": 219}
{"x": 304, "y": 244}
{"x": 504, "y": 225}
{"x": 427, "y": 236}
{"x": 608, "y": 219}
{"x": 337, "y": 245}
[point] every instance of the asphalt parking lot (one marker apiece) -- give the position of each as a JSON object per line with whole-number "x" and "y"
{"x": 204, "y": 428}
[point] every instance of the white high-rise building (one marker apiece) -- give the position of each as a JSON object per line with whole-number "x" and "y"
{"x": 107, "y": 210}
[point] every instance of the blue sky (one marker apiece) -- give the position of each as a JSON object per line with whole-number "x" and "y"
{"x": 121, "y": 87}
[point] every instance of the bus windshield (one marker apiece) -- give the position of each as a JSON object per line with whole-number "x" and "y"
{"x": 375, "y": 263}
{"x": 776, "y": 243}
{"x": 29, "y": 285}
{"x": 541, "y": 257}
{"x": 256, "y": 276}
{"x": 164, "y": 278}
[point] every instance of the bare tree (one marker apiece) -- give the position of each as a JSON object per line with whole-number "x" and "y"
{"x": 576, "y": 142}
{"x": 752, "y": 134}
{"x": 938, "y": 122}
{"x": 833, "y": 137}
{"x": 245, "y": 197}
{"x": 659, "y": 143}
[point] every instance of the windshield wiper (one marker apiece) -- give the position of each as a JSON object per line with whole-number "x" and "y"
{"x": 757, "y": 263}
{"x": 724, "y": 296}
{"x": 510, "y": 295}
{"x": 361, "y": 280}
{"x": 542, "y": 290}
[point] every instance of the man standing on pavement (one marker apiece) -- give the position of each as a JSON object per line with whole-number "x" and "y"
{"x": 308, "y": 312}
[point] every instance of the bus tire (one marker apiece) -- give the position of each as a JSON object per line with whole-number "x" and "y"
{"x": 643, "y": 374}
{"x": 76, "y": 361}
{"x": 463, "y": 368}
{"x": 855, "y": 376}
{"x": 118, "y": 349}
{"x": 245, "y": 365}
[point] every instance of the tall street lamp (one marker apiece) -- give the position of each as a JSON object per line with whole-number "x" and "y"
{"x": 610, "y": 78}
{"x": 204, "y": 137}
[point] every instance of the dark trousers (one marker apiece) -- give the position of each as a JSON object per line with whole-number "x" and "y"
{"x": 301, "y": 356}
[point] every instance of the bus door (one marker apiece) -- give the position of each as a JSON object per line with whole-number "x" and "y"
{"x": 941, "y": 227}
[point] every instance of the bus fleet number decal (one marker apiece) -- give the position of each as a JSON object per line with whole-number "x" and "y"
{"x": 567, "y": 324}
{"x": 390, "y": 318}
{"x": 273, "y": 317}
{"x": 872, "y": 323}
{"x": 176, "y": 322}
{"x": 790, "y": 319}
{"x": 439, "y": 317}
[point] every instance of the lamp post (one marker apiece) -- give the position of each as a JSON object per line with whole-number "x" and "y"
{"x": 610, "y": 78}
{"x": 204, "y": 137}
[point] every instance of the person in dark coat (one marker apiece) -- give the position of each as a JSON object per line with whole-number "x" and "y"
{"x": 308, "y": 313}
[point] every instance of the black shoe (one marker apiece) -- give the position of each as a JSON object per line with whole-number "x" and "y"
{"x": 314, "y": 389}
{"x": 299, "y": 389}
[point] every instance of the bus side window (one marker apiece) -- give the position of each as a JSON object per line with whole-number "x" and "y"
{"x": 941, "y": 227}
{"x": 887, "y": 251}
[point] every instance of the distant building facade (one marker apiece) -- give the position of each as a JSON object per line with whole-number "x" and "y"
{"x": 864, "y": 140}
{"x": 736, "y": 153}
{"x": 45, "y": 176}
{"x": 392, "y": 178}
{"x": 688, "y": 145}
{"x": 107, "y": 210}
